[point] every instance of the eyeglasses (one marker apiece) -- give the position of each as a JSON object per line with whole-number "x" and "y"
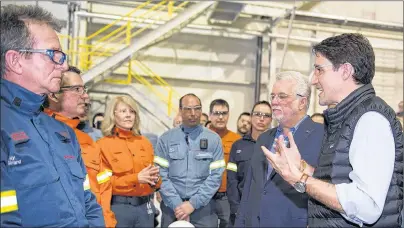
{"x": 126, "y": 111}
{"x": 282, "y": 96}
{"x": 218, "y": 113}
{"x": 189, "y": 108}
{"x": 262, "y": 114}
{"x": 79, "y": 89}
{"x": 56, "y": 56}
{"x": 319, "y": 69}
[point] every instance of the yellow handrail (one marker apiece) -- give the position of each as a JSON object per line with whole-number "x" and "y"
{"x": 159, "y": 80}
{"x": 123, "y": 32}
{"x": 118, "y": 20}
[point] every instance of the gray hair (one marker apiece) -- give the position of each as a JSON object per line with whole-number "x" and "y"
{"x": 14, "y": 31}
{"x": 302, "y": 87}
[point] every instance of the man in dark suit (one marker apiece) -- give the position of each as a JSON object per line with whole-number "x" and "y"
{"x": 268, "y": 200}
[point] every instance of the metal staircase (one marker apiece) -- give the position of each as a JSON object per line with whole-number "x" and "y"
{"x": 111, "y": 50}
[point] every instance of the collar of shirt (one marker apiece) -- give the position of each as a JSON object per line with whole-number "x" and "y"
{"x": 123, "y": 133}
{"x": 21, "y": 98}
{"x": 70, "y": 122}
{"x": 221, "y": 133}
{"x": 248, "y": 137}
{"x": 191, "y": 130}
{"x": 279, "y": 131}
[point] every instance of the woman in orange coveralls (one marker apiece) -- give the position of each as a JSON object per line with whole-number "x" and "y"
{"x": 129, "y": 156}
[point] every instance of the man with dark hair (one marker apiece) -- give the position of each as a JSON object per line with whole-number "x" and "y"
{"x": 204, "y": 119}
{"x": 358, "y": 181}
{"x": 244, "y": 123}
{"x": 68, "y": 106}
{"x": 42, "y": 171}
{"x": 191, "y": 166}
{"x": 241, "y": 153}
{"x": 219, "y": 115}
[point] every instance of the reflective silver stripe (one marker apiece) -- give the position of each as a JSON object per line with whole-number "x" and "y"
{"x": 104, "y": 176}
{"x": 232, "y": 166}
{"x": 86, "y": 183}
{"x": 161, "y": 161}
{"x": 217, "y": 164}
{"x": 8, "y": 201}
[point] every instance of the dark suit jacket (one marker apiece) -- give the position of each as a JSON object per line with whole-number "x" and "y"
{"x": 273, "y": 202}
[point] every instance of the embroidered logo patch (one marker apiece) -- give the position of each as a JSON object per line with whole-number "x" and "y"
{"x": 19, "y": 136}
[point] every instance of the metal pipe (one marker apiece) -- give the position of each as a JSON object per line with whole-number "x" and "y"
{"x": 285, "y": 45}
{"x": 218, "y": 31}
{"x": 258, "y": 64}
{"x": 344, "y": 30}
{"x": 76, "y": 28}
{"x": 108, "y": 65}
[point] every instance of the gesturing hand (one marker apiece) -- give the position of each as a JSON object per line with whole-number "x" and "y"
{"x": 148, "y": 175}
{"x": 285, "y": 161}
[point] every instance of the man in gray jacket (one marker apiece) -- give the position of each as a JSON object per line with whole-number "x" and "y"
{"x": 191, "y": 167}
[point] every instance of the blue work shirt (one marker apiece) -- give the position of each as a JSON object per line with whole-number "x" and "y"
{"x": 189, "y": 172}
{"x": 43, "y": 177}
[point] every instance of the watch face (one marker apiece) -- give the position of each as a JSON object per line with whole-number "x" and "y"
{"x": 300, "y": 187}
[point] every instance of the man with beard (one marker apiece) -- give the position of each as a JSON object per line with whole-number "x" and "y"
{"x": 244, "y": 123}
{"x": 268, "y": 200}
{"x": 191, "y": 166}
{"x": 241, "y": 153}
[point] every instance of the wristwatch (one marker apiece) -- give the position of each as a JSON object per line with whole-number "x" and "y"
{"x": 300, "y": 186}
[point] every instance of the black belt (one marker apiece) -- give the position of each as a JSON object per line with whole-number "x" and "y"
{"x": 132, "y": 200}
{"x": 219, "y": 195}
{"x": 185, "y": 199}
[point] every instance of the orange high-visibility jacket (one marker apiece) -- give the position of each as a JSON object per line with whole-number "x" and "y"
{"x": 126, "y": 155}
{"x": 98, "y": 176}
{"x": 228, "y": 138}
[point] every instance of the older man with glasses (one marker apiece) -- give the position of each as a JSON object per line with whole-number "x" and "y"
{"x": 267, "y": 200}
{"x": 241, "y": 153}
{"x": 67, "y": 106}
{"x": 42, "y": 170}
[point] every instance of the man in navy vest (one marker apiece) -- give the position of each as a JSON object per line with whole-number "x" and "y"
{"x": 359, "y": 176}
{"x": 268, "y": 200}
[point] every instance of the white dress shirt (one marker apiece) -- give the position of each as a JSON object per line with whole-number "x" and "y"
{"x": 372, "y": 156}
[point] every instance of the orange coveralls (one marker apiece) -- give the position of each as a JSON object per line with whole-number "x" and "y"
{"x": 126, "y": 155}
{"x": 228, "y": 138}
{"x": 98, "y": 176}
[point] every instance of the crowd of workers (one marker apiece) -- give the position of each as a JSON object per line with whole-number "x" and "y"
{"x": 342, "y": 168}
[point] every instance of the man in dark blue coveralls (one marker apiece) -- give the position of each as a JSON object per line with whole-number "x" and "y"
{"x": 241, "y": 153}
{"x": 43, "y": 178}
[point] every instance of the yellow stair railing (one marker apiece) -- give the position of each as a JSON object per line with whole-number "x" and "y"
{"x": 87, "y": 51}
{"x": 103, "y": 43}
{"x": 166, "y": 97}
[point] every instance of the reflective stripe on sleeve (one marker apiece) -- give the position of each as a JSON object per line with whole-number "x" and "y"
{"x": 104, "y": 176}
{"x": 161, "y": 161}
{"x": 217, "y": 164}
{"x": 232, "y": 166}
{"x": 86, "y": 183}
{"x": 8, "y": 201}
